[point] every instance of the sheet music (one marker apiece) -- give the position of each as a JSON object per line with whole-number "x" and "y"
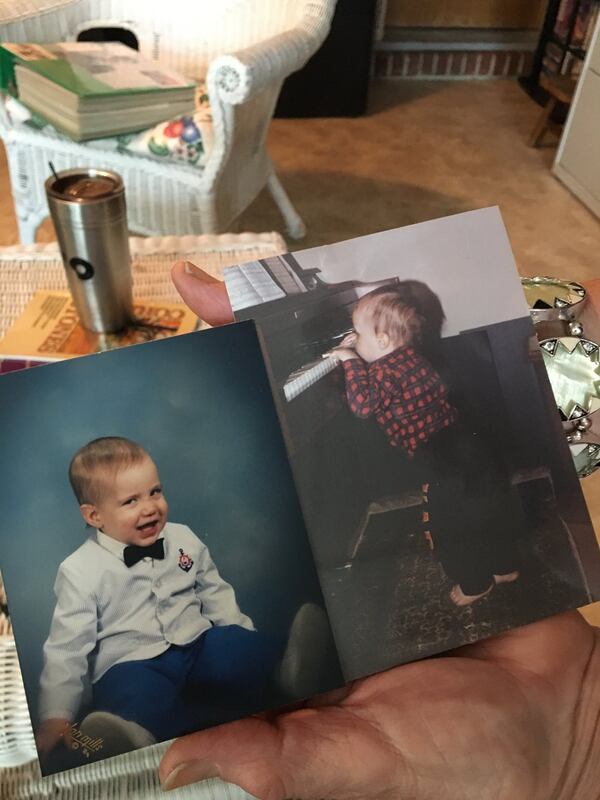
{"x": 307, "y": 376}
{"x": 251, "y": 284}
{"x": 285, "y": 276}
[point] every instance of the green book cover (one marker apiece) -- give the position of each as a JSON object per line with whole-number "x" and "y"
{"x": 89, "y": 69}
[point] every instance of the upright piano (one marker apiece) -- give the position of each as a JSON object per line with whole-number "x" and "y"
{"x": 300, "y": 318}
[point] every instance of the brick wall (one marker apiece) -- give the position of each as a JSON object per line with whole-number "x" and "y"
{"x": 452, "y": 64}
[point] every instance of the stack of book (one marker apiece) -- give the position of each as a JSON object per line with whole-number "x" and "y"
{"x": 571, "y": 36}
{"x": 90, "y": 90}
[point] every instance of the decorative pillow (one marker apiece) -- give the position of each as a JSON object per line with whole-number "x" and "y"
{"x": 183, "y": 139}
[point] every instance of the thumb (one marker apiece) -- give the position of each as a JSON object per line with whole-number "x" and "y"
{"x": 313, "y": 753}
{"x": 245, "y": 752}
{"x": 205, "y": 295}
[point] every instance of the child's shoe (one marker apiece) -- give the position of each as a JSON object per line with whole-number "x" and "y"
{"x": 116, "y": 735}
{"x": 306, "y": 653}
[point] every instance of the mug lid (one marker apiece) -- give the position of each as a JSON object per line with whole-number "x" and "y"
{"x": 83, "y": 185}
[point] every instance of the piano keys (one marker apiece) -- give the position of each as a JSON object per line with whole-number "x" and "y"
{"x": 307, "y": 376}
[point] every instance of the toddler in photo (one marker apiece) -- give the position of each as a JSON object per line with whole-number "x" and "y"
{"x": 388, "y": 376}
{"x": 144, "y": 614}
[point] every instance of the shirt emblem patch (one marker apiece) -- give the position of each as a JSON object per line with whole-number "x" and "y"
{"x": 185, "y": 562}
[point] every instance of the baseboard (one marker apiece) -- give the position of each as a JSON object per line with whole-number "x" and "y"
{"x": 459, "y": 54}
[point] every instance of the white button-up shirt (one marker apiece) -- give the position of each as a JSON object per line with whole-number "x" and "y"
{"x": 107, "y": 612}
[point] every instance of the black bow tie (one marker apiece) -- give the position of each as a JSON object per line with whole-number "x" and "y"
{"x": 134, "y": 552}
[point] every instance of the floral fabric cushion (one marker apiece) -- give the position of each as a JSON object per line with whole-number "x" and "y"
{"x": 183, "y": 139}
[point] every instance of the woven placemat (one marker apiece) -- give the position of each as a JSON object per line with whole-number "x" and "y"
{"x": 23, "y": 271}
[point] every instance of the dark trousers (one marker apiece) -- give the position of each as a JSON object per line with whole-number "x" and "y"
{"x": 169, "y": 694}
{"x": 475, "y": 514}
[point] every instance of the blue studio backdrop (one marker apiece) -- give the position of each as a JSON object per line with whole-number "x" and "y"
{"x": 201, "y": 405}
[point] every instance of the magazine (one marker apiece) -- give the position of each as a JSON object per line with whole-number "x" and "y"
{"x": 49, "y": 328}
{"x": 436, "y": 482}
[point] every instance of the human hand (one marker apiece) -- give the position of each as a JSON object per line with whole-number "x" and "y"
{"x": 205, "y": 295}
{"x": 50, "y": 732}
{"x": 509, "y": 718}
{"x": 342, "y": 353}
{"x": 344, "y": 350}
{"x": 349, "y": 340}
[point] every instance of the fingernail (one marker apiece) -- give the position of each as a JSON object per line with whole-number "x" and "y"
{"x": 190, "y": 269}
{"x": 190, "y": 772}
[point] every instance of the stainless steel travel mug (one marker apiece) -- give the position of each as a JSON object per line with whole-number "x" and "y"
{"x": 90, "y": 217}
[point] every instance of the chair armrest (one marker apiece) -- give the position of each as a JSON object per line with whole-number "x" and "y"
{"x": 237, "y": 76}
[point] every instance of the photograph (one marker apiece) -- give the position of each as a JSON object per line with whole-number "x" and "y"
{"x": 153, "y": 549}
{"x": 437, "y": 484}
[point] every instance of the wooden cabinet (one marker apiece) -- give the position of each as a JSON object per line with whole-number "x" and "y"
{"x": 335, "y": 81}
{"x": 577, "y": 162}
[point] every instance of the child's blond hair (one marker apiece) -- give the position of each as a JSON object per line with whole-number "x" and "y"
{"x": 390, "y": 314}
{"x": 95, "y": 461}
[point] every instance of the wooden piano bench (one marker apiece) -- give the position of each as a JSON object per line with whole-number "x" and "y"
{"x": 382, "y": 505}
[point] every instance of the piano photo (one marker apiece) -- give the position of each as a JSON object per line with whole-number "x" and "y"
{"x": 379, "y": 552}
{"x": 383, "y": 555}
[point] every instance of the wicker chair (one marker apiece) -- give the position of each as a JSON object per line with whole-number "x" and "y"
{"x": 243, "y": 48}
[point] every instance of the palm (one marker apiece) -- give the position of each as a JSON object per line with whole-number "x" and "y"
{"x": 492, "y": 720}
{"x": 455, "y": 726}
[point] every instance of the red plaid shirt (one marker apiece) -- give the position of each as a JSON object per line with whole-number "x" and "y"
{"x": 405, "y": 394}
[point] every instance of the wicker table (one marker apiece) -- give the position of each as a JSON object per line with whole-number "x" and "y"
{"x": 23, "y": 271}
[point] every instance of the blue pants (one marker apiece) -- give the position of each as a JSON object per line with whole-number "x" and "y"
{"x": 224, "y": 674}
